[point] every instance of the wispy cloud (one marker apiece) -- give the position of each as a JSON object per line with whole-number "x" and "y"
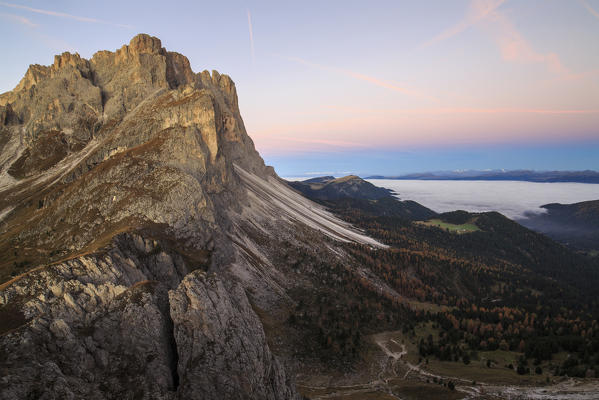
{"x": 464, "y": 110}
{"x": 251, "y": 35}
{"x": 294, "y": 137}
{"x": 512, "y": 44}
{"x": 514, "y": 111}
{"x": 19, "y": 19}
{"x": 365, "y": 78}
{"x": 515, "y": 48}
{"x": 590, "y": 9}
{"x": 331, "y": 142}
{"x": 477, "y": 11}
{"x": 63, "y": 15}
{"x": 298, "y": 128}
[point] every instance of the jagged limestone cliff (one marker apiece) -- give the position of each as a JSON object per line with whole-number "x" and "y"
{"x": 138, "y": 228}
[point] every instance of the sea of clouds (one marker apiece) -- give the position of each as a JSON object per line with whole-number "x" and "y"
{"x": 512, "y": 199}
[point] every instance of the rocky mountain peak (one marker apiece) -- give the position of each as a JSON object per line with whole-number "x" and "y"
{"x": 110, "y": 83}
{"x": 66, "y": 59}
{"x": 143, "y": 43}
{"x": 140, "y": 234}
{"x": 77, "y": 118}
{"x": 35, "y": 73}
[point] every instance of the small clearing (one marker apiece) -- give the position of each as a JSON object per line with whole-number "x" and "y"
{"x": 459, "y": 229}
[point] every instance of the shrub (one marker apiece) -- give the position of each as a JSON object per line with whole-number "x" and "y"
{"x": 521, "y": 370}
{"x": 538, "y": 370}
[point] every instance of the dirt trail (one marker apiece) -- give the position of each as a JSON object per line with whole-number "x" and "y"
{"x": 389, "y": 370}
{"x": 562, "y": 391}
{"x": 380, "y": 384}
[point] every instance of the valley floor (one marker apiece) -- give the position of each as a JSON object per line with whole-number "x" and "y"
{"x": 396, "y": 373}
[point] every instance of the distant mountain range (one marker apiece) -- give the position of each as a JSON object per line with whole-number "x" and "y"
{"x": 501, "y": 175}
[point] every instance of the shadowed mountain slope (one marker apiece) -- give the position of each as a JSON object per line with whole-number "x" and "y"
{"x": 329, "y": 188}
{"x": 576, "y": 225}
{"x": 352, "y": 191}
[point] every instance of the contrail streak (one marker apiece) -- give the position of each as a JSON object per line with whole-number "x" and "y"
{"x": 251, "y": 35}
{"x": 63, "y": 15}
{"x": 18, "y": 18}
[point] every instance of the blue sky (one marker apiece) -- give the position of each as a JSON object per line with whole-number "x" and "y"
{"x": 576, "y": 156}
{"x": 366, "y": 87}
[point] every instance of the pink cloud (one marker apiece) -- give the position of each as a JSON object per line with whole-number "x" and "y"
{"x": 365, "y": 78}
{"x": 477, "y": 11}
{"x": 515, "y": 48}
{"x": 463, "y": 110}
{"x": 590, "y": 9}
{"x": 364, "y": 128}
{"x": 512, "y": 45}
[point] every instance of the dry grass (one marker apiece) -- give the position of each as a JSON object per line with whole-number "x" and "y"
{"x": 47, "y": 150}
{"x": 34, "y": 234}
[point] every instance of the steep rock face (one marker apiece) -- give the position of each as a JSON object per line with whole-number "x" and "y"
{"x": 222, "y": 333}
{"x": 93, "y": 327}
{"x": 141, "y": 234}
{"x": 158, "y": 150}
{"x": 103, "y": 326}
{"x": 82, "y": 99}
{"x": 128, "y": 141}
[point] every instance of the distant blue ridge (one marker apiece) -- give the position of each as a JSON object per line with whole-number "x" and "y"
{"x": 587, "y": 176}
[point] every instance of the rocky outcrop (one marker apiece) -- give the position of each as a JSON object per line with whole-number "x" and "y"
{"x": 136, "y": 131}
{"x": 123, "y": 325}
{"x": 220, "y": 332}
{"x": 142, "y": 238}
{"x": 94, "y": 327}
{"x": 83, "y": 99}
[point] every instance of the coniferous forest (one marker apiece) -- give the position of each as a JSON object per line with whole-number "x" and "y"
{"x": 502, "y": 287}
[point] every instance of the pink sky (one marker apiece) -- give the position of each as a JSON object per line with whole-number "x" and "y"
{"x": 339, "y": 75}
{"x": 492, "y": 72}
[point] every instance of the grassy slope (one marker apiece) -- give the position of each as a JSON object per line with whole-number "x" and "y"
{"x": 460, "y": 229}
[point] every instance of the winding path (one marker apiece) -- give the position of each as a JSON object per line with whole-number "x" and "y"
{"x": 562, "y": 391}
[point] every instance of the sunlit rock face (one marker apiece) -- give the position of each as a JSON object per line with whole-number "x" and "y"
{"x": 117, "y": 182}
{"x": 128, "y": 138}
{"x": 142, "y": 235}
